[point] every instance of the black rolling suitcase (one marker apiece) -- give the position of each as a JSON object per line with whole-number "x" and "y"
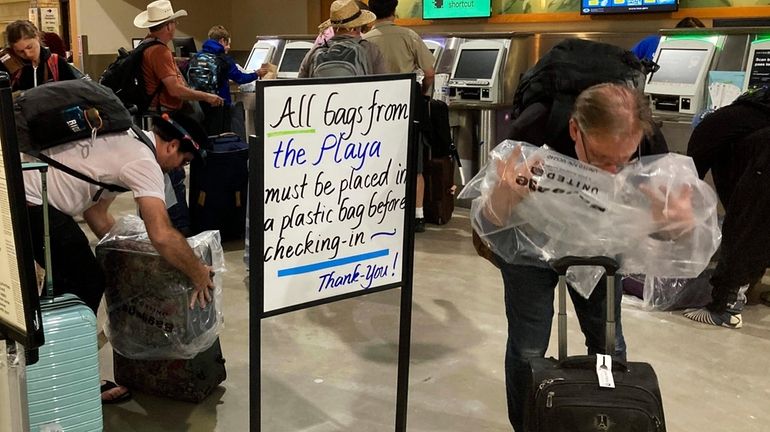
{"x": 219, "y": 186}
{"x": 566, "y": 395}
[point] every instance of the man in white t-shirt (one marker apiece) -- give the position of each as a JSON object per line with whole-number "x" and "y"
{"x": 119, "y": 159}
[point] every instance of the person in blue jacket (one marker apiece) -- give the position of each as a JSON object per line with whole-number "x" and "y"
{"x": 645, "y": 48}
{"x": 217, "y": 119}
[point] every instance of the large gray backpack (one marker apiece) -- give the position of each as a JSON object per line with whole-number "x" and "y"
{"x": 340, "y": 58}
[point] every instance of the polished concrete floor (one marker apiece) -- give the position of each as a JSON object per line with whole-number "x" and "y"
{"x": 333, "y": 367}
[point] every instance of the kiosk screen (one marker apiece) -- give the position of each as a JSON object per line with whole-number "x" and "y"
{"x": 257, "y": 57}
{"x": 679, "y": 66}
{"x": 476, "y": 64}
{"x": 759, "y": 74}
{"x": 292, "y": 59}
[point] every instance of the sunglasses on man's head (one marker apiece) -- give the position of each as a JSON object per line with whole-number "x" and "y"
{"x": 185, "y": 135}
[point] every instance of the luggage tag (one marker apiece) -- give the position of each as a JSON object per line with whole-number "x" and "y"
{"x": 604, "y": 371}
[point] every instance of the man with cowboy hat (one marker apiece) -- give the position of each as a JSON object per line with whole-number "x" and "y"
{"x": 347, "y": 19}
{"x": 162, "y": 77}
{"x": 163, "y": 80}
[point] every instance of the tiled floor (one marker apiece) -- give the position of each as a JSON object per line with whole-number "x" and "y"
{"x": 333, "y": 367}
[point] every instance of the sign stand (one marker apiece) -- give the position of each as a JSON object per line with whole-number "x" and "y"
{"x": 332, "y": 195}
{"x": 21, "y": 324}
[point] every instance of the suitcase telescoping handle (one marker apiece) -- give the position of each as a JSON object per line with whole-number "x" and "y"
{"x": 43, "y": 168}
{"x": 611, "y": 267}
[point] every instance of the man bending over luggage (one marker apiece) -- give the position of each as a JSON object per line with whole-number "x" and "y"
{"x": 610, "y": 125}
{"x": 119, "y": 159}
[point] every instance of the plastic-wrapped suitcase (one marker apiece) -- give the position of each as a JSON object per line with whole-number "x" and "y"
{"x": 187, "y": 380}
{"x": 567, "y": 395}
{"x": 63, "y": 387}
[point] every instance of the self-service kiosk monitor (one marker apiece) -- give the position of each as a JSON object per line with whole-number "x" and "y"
{"x": 435, "y": 48}
{"x": 184, "y": 46}
{"x": 293, "y": 54}
{"x": 261, "y": 52}
{"x": 476, "y": 71}
{"x": 678, "y": 86}
{"x": 758, "y": 67}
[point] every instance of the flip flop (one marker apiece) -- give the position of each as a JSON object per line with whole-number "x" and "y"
{"x": 107, "y": 387}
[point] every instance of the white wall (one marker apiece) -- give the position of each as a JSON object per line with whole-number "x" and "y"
{"x": 109, "y": 23}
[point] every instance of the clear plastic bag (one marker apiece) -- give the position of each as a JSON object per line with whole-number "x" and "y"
{"x": 532, "y": 205}
{"x": 148, "y": 300}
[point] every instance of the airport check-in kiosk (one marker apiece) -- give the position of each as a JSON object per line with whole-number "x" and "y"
{"x": 286, "y": 52}
{"x": 483, "y": 70}
{"x": 291, "y": 58}
{"x": 436, "y": 47}
{"x": 737, "y": 50}
{"x": 680, "y": 83}
{"x": 476, "y": 72}
{"x": 758, "y": 66}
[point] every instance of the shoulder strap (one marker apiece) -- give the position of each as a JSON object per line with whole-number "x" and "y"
{"x": 53, "y": 65}
{"x": 105, "y": 186}
{"x": 65, "y": 169}
{"x": 141, "y": 136}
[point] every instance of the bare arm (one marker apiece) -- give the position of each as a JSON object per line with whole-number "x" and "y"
{"x": 178, "y": 89}
{"x": 173, "y": 247}
{"x": 427, "y": 80}
{"x": 99, "y": 218}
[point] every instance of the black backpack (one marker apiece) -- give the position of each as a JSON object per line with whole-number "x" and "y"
{"x": 758, "y": 98}
{"x": 570, "y": 67}
{"x": 64, "y": 111}
{"x": 124, "y": 76}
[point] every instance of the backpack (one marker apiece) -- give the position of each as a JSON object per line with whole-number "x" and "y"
{"x": 570, "y": 67}
{"x": 340, "y": 58}
{"x": 64, "y": 111}
{"x": 124, "y": 76}
{"x": 204, "y": 72}
{"x": 758, "y": 98}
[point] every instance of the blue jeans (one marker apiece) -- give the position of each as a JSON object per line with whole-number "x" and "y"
{"x": 529, "y": 299}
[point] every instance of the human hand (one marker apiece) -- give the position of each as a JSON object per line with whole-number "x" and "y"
{"x": 516, "y": 175}
{"x": 671, "y": 210}
{"x": 215, "y": 100}
{"x": 202, "y": 287}
{"x": 263, "y": 70}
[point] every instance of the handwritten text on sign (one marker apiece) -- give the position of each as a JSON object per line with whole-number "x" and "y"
{"x": 335, "y": 161}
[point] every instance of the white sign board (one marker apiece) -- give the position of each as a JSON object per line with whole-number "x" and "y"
{"x": 11, "y": 297}
{"x": 335, "y": 172}
{"x": 49, "y": 19}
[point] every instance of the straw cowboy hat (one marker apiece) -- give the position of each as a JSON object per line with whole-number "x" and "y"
{"x": 157, "y": 12}
{"x": 347, "y": 14}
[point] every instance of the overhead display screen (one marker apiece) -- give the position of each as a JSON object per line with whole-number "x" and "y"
{"x": 599, "y": 7}
{"x": 441, "y": 9}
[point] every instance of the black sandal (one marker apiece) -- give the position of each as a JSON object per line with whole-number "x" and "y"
{"x": 109, "y": 385}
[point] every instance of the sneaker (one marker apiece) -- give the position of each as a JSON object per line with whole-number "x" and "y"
{"x": 724, "y": 319}
{"x": 419, "y": 225}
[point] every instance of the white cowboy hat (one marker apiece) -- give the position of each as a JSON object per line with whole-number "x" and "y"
{"x": 347, "y": 14}
{"x": 157, "y": 12}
